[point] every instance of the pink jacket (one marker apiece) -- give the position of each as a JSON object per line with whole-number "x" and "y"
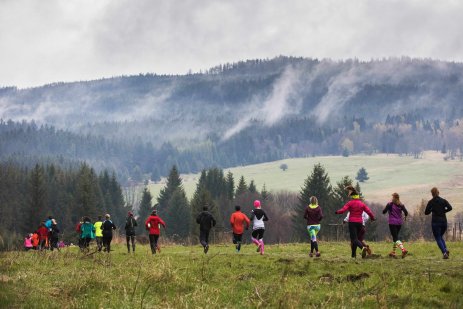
{"x": 28, "y": 242}
{"x": 356, "y": 207}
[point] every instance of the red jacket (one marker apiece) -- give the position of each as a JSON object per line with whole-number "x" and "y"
{"x": 237, "y": 221}
{"x": 356, "y": 208}
{"x": 43, "y": 232}
{"x": 154, "y": 222}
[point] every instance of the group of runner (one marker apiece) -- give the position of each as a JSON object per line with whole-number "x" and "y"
{"x": 358, "y": 213}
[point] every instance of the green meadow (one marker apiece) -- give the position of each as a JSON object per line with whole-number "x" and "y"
{"x": 185, "y": 277}
{"x": 411, "y": 178}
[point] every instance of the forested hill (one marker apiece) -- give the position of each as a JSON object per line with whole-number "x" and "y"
{"x": 246, "y": 112}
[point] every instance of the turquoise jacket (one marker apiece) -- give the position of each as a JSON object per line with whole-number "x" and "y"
{"x": 87, "y": 230}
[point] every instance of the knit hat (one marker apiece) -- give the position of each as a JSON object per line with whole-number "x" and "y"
{"x": 130, "y": 214}
{"x": 154, "y": 212}
{"x": 257, "y": 204}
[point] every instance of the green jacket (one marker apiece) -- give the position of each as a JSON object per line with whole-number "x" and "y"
{"x": 87, "y": 230}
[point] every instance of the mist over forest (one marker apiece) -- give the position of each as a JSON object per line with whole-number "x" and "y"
{"x": 236, "y": 114}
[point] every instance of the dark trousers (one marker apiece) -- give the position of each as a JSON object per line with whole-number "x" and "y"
{"x": 204, "y": 237}
{"x": 107, "y": 243}
{"x": 130, "y": 238}
{"x": 99, "y": 242}
{"x": 237, "y": 238}
{"x": 438, "y": 230}
{"x": 54, "y": 243}
{"x": 354, "y": 230}
{"x": 395, "y": 229}
{"x": 153, "y": 242}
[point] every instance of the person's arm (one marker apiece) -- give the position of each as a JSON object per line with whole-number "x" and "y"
{"x": 346, "y": 219}
{"x": 248, "y": 222}
{"x": 162, "y": 222}
{"x": 387, "y": 208}
{"x": 404, "y": 210}
{"x": 252, "y": 215}
{"x": 114, "y": 226}
{"x": 232, "y": 220}
{"x": 343, "y": 209}
{"x": 134, "y": 222}
{"x": 447, "y": 206}
{"x": 368, "y": 211}
{"x": 428, "y": 209}
{"x": 213, "y": 221}
{"x": 306, "y": 213}
{"x": 265, "y": 216}
{"x": 321, "y": 214}
{"x": 198, "y": 218}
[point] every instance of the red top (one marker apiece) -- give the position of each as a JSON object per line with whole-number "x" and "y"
{"x": 35, "y": 240}
{"x": 43, "y": 232}
{"x": 237, "y": 221}
{"x": 356, "y": 208}
{"x": 154, "y": 222}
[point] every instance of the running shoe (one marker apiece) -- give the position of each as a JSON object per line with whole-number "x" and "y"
{"x": 317, "y": 254}
{"x": 311, "y": 254}
{"x": 404, "y": 253}
{"x": 446, "y": 256}
{"x": 206, "y": 248}
{"x": 364, "y": 252}
{"x": 368, "y": 250}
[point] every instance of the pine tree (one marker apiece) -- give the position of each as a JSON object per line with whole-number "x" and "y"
{"x": 362, "y": 175}
{"x": 242, "y": 187}
{"x": 252, "y": 187}
{"x": 318, "y": 185}
{"x": 173, "y": 183}
{"x": 230, "y": 186}
{"x": 145, "y": 208}
{"x": 264, "y": 193}
{"x": 177, "y": 217}
{"x": 37, "y": 196}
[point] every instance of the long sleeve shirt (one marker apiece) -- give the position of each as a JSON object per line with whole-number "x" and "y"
{"x": 356, "y": 207}
{"x": 438, "y": 207}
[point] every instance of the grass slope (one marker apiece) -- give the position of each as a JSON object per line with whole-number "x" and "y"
{"x": 184, "y": 277}
{"x": 412, "y": 178}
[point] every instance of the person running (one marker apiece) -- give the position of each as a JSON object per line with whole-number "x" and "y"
{"x": 439, "y": 207}
{"x": 54, "y": 235}
{"x": 107, "y": 227}
{"x": 395, "y": 209}
{"x": 363, "y": 230}
{"x": 43, "y": 236}
{"x": 258, "y": 216}
{"x": 49, "y": 222}
{"x": 35, "y": 240}
{"x": 87, "y": 233}
{"x": 152, "y": 224}
{"x": 206, "y": 222}
{"x": 313, "y": 214}
{"x": 238, "y": 220}
{"x": 99, "y": 233}
{"x": 356, "y": 207}
{"x": 28, "y": 242}
{"x": 79, "y": 233}
{"x": 130, "y": 224}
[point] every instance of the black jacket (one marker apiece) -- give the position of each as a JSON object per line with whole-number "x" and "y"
{"x": 205, "y": 220}
{"x": 108, "y": 227}
{"x": 438, "y": 207}
{"x": 130, "y": 225}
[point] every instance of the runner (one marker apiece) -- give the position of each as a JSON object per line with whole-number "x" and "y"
{"x": 130, "y": 224}
{"x": 99, "y": 233}
{"x": 395, "y": 209}
{"x": 238, "y": 220}
{"x": 356, "y": 207}
{"x": 206, "y": 221}
{"x": 43, "y": 236}
{"x": 28, "y": 242}
{"x": 313, "y": 214}
{"x": 54, "y": 235}
{"x": 363, "y": 230}
{"x": 152, "y": 224}
{"x": 107, "y": 227}
{"x": 439, "y": 207}
{"x": 87, "y": 233}
{"x": 258, "y": 217}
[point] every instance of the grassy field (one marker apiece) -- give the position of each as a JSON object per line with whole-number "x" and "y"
{"x": 412, "y": 178}
{"x": 184, "y": 277}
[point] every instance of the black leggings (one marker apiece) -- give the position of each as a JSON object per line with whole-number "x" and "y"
{"x": 107, "y": 243}
{"x": 354, "y": 230}
{"x": 130, "y": 238}
{"x": 395, "y": 229}
{"x": 153, "y": 242}
{"x": 258, "y": 234}
{"x": 204, "y": 237}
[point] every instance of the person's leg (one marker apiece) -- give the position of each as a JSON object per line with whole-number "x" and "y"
{"x": 239, "y": 240}
{"x": 127, "y": 240}
{"x": 443, "y": 231}
{"x": 202, "y": 238}
{"x": 152, "y": 244}
{"x": 261, "y": 240}
{"x": 354, "y": 228}
{"x": 437, "y": 232}
{"x": 133, "y": 242}
{"x": 255, "y": 240}
{"x": 110, "y": 238}
{"x": 156, "y": 245}
{"x": 99, "y": 243}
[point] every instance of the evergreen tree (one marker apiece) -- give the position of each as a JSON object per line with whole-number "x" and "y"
{"x": 264, "y": 193}
{"x": 230, "y": 186}
{"x": 37, "y": 196}
{"x": 252, "y": 187}
{"x": 242, "y": 187}
{"x": 145, "y": 208}
{"x": 318, "y": 185}
{"x": 173, "y": 183}
{"x": 177, "y": 217}
{"x": 340, "y": 194}
{"x": 362, "y": 175}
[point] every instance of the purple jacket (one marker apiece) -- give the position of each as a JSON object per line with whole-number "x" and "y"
{"x": 313, "y": 215}
{"x": 395, "y": 213}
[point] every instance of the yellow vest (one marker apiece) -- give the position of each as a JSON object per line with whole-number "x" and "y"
{"x": 98, "y": 230}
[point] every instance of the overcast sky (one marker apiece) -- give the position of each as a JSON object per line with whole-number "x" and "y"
{"x": 68, "y": 40}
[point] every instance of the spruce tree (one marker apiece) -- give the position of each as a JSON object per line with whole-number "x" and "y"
{"x": 318, "y": 185}
{"x": 177, "y": 216}
{"x": 252, "y": 187}
{"x": 362, "y": 175}
{"x": 241, "y": 188}
{"x": 230, "y": 186}
{"x": 37, "y": 196}
{"x": 173, "y": 183}
{"x": 340, "y": 193}
{"x": 145, "y": 208}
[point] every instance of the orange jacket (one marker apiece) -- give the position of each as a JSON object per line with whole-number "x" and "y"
{"x": 35, "y": 240}
{"x": 237, "y": 221}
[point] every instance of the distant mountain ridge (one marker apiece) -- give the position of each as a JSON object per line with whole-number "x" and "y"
{"x": 283, "y": 106}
